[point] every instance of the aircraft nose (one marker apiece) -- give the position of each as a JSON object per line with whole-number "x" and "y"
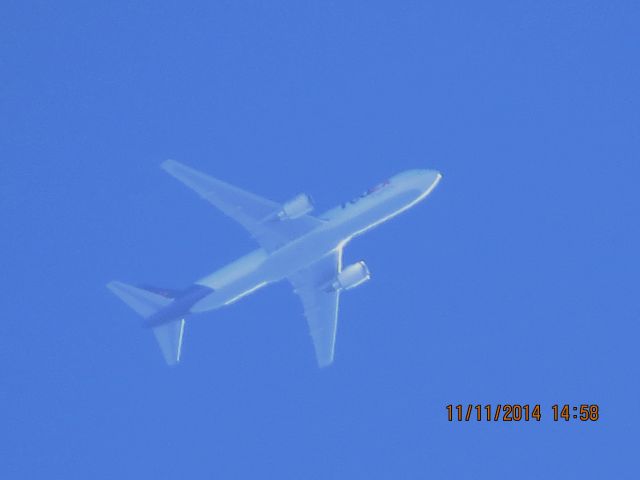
{"x": 430, "y": 178}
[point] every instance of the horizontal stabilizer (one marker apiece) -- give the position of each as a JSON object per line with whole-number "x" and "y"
{"x": 169, "y": 337}
{"x": 144, "y": 302}
{"x": 165, "y": 292}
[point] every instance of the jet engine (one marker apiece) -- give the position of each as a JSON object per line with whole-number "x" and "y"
{"x": 351, "y": 276}
{"x": 296, "y": 207}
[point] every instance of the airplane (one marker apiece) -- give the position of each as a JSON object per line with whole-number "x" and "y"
{"x": 303, "y": 249}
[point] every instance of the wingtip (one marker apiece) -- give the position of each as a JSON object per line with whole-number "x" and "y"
{"x": 324, "y": 363}
{"x": 167, "y": 164}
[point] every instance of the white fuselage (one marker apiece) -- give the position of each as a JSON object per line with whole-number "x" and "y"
{"x": 341, "y": 224}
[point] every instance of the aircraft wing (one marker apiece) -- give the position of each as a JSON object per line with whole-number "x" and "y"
{"x": 320, "y": 305}
{"x": 258, "y": 215}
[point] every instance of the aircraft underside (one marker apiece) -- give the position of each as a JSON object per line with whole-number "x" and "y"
{"x": 305, "y": 250}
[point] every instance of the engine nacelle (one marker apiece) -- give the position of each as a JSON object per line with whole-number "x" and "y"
{"x": 351, "y": 276}
{"x": 296, "y": 207}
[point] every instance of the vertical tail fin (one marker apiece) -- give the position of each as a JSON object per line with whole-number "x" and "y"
{"x": 146, "y": 302}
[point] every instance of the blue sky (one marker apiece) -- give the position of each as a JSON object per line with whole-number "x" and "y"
{"x": 516, "y": 281}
